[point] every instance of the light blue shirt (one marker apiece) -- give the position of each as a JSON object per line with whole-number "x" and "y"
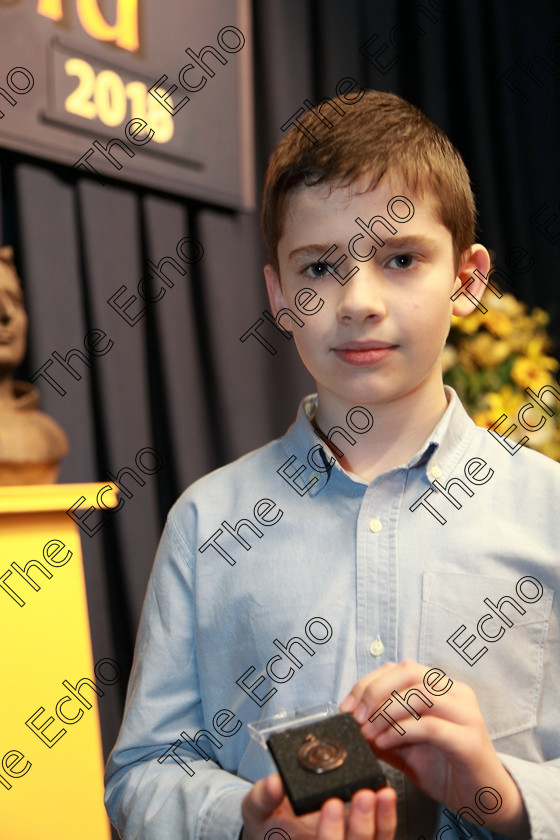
{"x": 281, "y": 579}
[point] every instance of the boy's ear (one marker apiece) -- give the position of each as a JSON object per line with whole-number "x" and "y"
{"x": 474, "y": 258}
{"x": 274, "y": 289}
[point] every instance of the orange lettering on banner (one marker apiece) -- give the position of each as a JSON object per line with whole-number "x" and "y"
{"x": 50, "y": 8}
{"x": 124, "y": 32}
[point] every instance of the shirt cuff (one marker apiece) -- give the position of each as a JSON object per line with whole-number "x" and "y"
{"x": 539, "y": 784}
{"x": 223, "y": 821}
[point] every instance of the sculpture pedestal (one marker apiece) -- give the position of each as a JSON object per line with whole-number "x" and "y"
{"x": 51, "y": 760}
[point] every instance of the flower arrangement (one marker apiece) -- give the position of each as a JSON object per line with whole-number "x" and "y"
{"x": 490, "y": 359}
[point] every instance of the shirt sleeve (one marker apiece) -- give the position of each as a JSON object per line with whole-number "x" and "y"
{"x": 539, "y": 785}
{"x": 157, "y": 786}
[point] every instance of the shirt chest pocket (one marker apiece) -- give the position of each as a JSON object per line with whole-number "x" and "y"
{"x": 503, "y": 663}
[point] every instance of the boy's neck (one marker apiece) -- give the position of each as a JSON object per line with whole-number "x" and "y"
{"x": 7, "y": 398}
{"x": 400, "y": 428}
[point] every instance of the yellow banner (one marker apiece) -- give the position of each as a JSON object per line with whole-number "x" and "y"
{"x": 51, "y": 761}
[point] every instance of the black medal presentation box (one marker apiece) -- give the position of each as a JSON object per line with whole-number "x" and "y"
{"x": 320, "y": 756}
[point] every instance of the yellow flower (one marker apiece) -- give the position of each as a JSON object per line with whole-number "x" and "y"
{"x": 505, "y": 401}
{"x": 507, "y": 304}
{"x": 465, "y": 359}
{"x": 480, "y": 343}
{"x": 551, "y": 449}
{"x": 530, "y": 373}
{"x": 499, "y": 323}
{"x": 523, "y": 333}
{"x": 540, "y": 317}
{"x": 485, "y": 418}
{"x": 487, "y": 351}
{"x": 469, "y": 323}
{"x": 543, "y": 436}
{"x": 449, "y": 357}
{"x": 535, "y": 346}
{"x": 535, "y": 349}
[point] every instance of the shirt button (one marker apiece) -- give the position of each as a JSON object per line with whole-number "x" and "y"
{"x": 436, "y": 472}
{"x": 377, "y": 647}
{"x": 375, "y": 526}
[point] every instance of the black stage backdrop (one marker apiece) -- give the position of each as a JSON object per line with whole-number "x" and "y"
{"x": 177, "y": 393}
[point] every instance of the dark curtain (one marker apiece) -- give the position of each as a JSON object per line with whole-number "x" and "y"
{"x": 177, "y": 393}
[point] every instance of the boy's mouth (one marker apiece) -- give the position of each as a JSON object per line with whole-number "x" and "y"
{"x": 6, "y": 335}
{"x": 364, "y": 352}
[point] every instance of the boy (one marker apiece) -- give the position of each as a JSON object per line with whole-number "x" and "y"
{"x": 322, "y": 559}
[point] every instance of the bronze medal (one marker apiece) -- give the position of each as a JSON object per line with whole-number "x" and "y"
{"x": 321, "y": 755}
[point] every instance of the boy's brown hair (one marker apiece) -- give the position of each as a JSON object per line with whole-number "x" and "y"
{"x": 379, "y": 134}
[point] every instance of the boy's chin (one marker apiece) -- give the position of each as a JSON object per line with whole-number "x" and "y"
{"x": 362, "y": 393}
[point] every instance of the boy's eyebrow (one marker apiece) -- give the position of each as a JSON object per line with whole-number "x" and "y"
{"x": 413, "y": 240}
{"x": 310, "y": 251}
{"x": 404, "y": 241}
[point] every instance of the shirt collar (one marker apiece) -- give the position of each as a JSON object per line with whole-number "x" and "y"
{"x": 442, "y": 448}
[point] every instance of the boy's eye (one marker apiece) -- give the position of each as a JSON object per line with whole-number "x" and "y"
{"x": 318, "y": 269}
{"x": 401, "y": 261}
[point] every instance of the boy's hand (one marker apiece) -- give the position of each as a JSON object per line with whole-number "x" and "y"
{"x": 448, "y": 753}
{"x": 372, "y": 816}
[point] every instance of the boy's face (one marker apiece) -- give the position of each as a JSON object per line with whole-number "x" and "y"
{"x": 379, "y": 336}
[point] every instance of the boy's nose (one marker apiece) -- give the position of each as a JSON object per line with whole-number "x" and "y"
{"x": 363, "y": 296}
{"x": 6, "y": 310}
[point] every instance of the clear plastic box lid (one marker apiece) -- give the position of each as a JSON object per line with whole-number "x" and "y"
{"x": 261, "y": 729}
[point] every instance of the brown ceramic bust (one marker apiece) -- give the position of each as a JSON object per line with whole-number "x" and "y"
{"x": 31, "y": 443}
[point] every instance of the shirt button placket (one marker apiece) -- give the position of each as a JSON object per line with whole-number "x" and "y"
{"x": 377, "y": 647}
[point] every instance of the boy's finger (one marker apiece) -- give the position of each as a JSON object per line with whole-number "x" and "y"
{"x": 361, "y": 823}
{"x": 386, "y": 814}
{"x": 352, "y": 699}
{"x": 406, "y": 675}
{"x": 263, "y": 798}
{"x": 331, "y": 820}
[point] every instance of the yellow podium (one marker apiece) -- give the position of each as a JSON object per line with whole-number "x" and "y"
{"x": 51, "y": 760}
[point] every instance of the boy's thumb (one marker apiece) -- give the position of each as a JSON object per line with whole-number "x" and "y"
{"x": 266, "y": 796}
